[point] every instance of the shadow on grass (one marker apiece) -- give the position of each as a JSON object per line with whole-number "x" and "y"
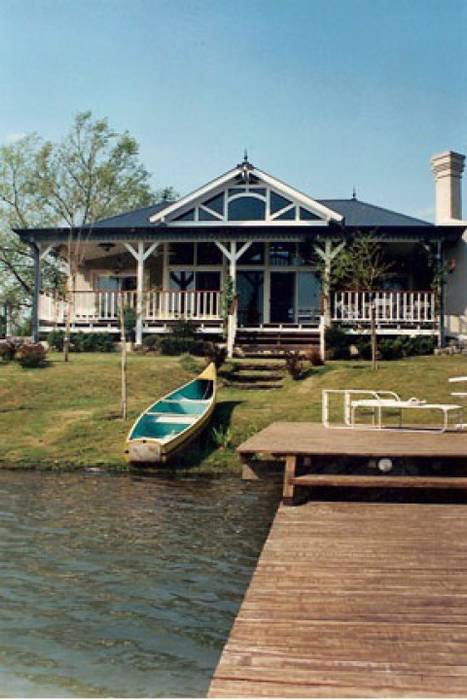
{"x": 203, "y": 446}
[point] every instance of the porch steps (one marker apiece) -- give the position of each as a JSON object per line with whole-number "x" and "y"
{"x": 276, "y": 342}
{"x": 250, "y": 376}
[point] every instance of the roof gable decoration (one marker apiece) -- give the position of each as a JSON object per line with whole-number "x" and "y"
{"x": 246, "y": 196}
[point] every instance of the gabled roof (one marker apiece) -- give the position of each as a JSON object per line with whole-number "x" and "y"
{"x": 357, "y": 213}
{"x": 244, "y": 174}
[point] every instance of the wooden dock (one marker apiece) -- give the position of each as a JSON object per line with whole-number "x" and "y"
{"x": 354, "y": 600}
{"x": 298, "y": 443}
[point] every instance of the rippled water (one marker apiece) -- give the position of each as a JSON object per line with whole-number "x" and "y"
{"x": 122, "y": 586}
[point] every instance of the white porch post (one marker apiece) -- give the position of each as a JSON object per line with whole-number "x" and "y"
{"x": 140, "y": 255}
{"x": 232, "y": 255}
{"x": 327, "y": 255}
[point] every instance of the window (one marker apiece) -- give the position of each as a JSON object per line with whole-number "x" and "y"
{"x": 282, "y": 254}
{"x": 208, "y": 254}
{"x": 182, "y": 280}
{"x": 181, "y": 254}
{"x": 254, "y": 255}
{"x": 247, "y": 209}
{"x": 208, "y": 281}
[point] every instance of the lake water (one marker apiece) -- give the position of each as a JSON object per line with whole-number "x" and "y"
{"x": 119, "y": 585}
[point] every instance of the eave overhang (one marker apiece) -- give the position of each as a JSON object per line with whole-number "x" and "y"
{"x": 223, "y": 233}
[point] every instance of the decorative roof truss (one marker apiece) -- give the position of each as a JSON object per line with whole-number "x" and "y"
{"x": 246, "y": 196}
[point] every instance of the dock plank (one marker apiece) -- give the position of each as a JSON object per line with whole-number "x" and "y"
{"x": 354, "y": 600}
{"x": 284, "y": 438}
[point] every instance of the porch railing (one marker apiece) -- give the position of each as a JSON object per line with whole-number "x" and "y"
{"x": 158, "y": 305}
{"x": 411, "y": 307}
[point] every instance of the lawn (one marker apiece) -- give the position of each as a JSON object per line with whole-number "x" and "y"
{"x": 68, "y": 415}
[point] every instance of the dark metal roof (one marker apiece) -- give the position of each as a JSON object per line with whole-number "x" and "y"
{"x": 357, "y": 213}
{"x": 131, "y": 219}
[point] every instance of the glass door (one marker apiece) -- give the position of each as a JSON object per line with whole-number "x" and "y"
{"x": 282, "y": 297}
{"x": 250, "y": 297}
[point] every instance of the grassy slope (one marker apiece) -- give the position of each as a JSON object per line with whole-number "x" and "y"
{"x": 68, "y": 415}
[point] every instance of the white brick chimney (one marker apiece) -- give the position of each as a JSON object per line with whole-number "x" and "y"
{"x": 447, "y": 168}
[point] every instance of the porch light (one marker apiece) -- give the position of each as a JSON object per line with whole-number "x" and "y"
{"x": 106, "y": 246}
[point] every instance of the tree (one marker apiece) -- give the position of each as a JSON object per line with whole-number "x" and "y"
{"x": 93, "y": 173}
{"x": 361, "y": 265}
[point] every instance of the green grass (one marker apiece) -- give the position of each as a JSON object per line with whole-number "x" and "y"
{"x": 68, "y": 415}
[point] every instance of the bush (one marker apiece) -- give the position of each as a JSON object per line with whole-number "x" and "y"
{"x": 55, "y": 340}
{"x": 314, "y": 357}
{"x": 31, "y": 355}
{"x": 391, "y": 348}
{"x": 337, "y": 344}
{"x": 294, "y": 364}
{"x": 129, "y": 323}
{"x": 151, "y": 342}
{"x": 420, "y": 345}
{"x": 215, "y": 353}
{"x": 364, "y": 348}
{"x": 82, "y": 342}
{"x": 170, "y": 345}
{"x": 7, "y": 350}
{"x": 183, "y": 330}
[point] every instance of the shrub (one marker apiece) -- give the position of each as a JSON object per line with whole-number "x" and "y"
{"x": 314, "y": 357}
{"x": 391, "y": 348}
{"x": 129, "y": 323}
{"x": 55, "y": 340}
{"x": 215, "y": 353}
{"x": 168, "y": 345}
{"x": 7, "y": 350}
{"x": 183, "y": 330}
{"x": 82, "y": 342}
{"x": 92, "y": 342}
{"x": 151, "y": 342}
{"x": 337, "y": 344}
{"x": 420, "y": 345}
{"x": 364, "y": 348}
{"x": 294, "y": 364}
{"x": 31, "y": 355}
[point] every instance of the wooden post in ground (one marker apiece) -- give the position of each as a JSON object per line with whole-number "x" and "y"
{"x": 123, "y": 359}
{"x": 288, "y": 494}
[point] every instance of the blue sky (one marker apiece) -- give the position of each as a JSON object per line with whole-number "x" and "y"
{"x": 325, "y": 94}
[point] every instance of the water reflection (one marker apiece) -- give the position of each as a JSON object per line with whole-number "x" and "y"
{"x": 122, "y": 586}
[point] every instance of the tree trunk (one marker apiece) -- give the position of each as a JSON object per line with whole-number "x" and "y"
{"x": 69, "y": 312}
{"x": 374, "y": 347}
{"x": 123, "y": 360}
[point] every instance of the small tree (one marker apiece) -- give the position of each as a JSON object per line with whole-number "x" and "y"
{"x": 361, "y": 265}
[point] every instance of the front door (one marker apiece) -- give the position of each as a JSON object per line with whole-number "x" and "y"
{"x": 282, "y": 297}
{"x": 250, "y": 297}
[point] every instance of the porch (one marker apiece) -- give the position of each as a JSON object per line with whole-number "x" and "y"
{"x": 396, "y": 312}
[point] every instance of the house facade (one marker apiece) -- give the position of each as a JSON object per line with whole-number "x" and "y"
{"x": 249, "y": 235}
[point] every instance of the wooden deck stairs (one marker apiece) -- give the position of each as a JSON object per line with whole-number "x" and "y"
{"x": 249, "y": 375}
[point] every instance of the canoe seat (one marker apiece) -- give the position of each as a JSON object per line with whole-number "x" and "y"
{"x": 182, "y": 408}
{"x": 160, "y": 427}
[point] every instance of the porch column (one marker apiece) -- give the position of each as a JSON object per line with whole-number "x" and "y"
{"x": 327, "y": 255}
{"x": 233, "y": 255}
{"x": 140, "y": 255}
{"x": 441, "y": 294}
{"x": 36, "y": 292}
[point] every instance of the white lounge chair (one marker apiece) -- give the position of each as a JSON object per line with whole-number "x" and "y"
{"x": 377, "y": 402}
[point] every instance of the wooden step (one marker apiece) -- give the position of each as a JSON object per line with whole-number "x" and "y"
{"x": 258, "y": 367}
{"x": 253, "y": 386}
{"x": 255, "y": 378}
{"x": 381, "y": 481}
